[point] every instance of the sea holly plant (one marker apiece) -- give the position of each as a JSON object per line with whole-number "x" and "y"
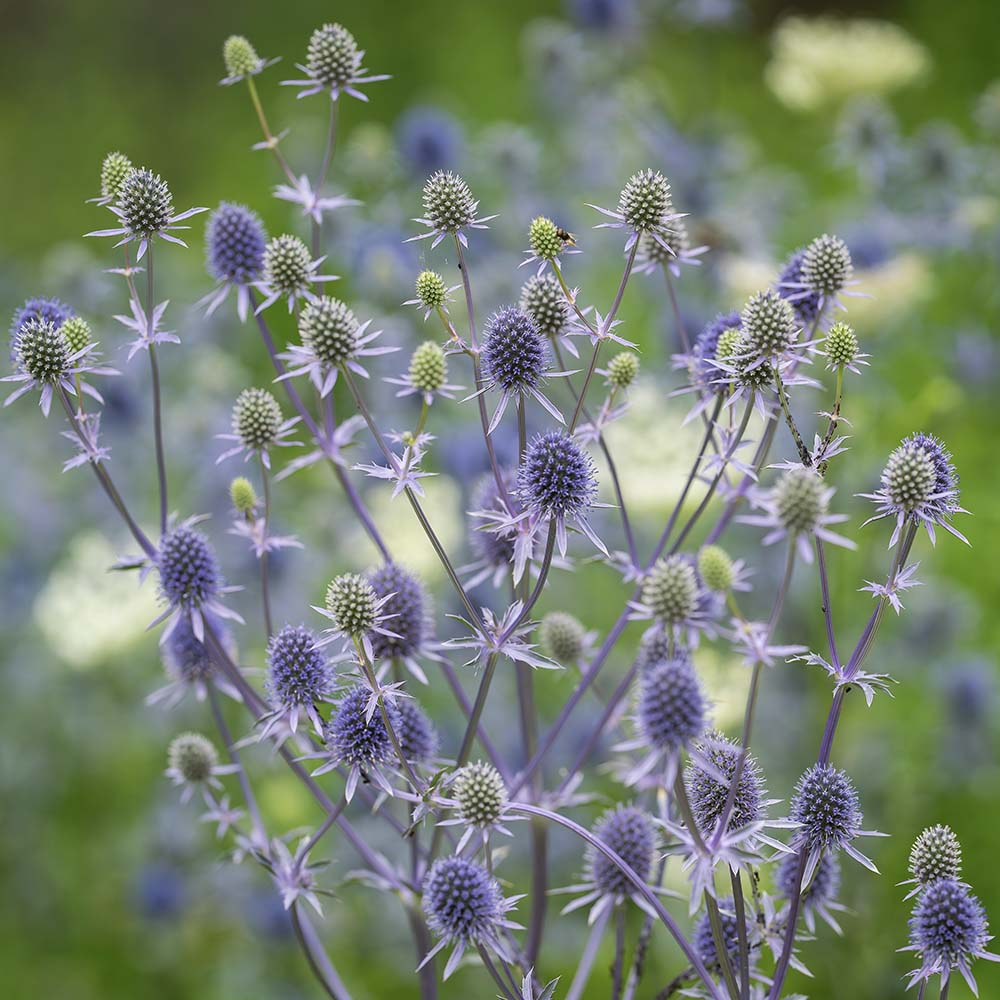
{"x": 468, "y": 812}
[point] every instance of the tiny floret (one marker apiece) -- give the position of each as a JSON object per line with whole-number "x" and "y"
{"x": 256, "y": 418}
{"x": 936, "y": 854}
{"x": 715, "y": 567}
{"x": 769, "y": 323}
{"x": 431, "y": 289}
{"x": 428, "y": 367}
{"x": 330, "y": 329}
{"x": 448, "y": 202}
{"x": 543, "y": 299}
{"x": 672, "y": 708}
{"x": 800, "y": 500}
{"x": 240, "y": 57}
{"x": 644, "y": 202}
{"x": 192, "y": 757}
{"x": 145, "y": 202}
{"x": 562, "y": 637}
{"x": 351, "y": 602}
{"x": 826, "y": 265}
{"x": 629, "y": 832}
{"x": 670, "y": 590}
{"x": 481, "y": 793}
{"x": 544, "y": 238}
{"x": 114, "y": 169}
{"x": 242, "y": 495}
{"x": 623, "y": 369}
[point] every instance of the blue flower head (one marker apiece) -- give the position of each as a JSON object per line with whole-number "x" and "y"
{"x": 429, "y": 139}
{"x": 706, "y": 344}
{"x": 355, "y": 740}
{"x": 557, "y": 476}
{"x": 235, "y": 241}
{"x": 704, "y": 939}
{"x": 672, "y": 708}
{"x": 418, "y": 738}
{"x": 708, "y": 795}
{"x": 189, "y": 571}
{"x": 826, "y": 805}
{"x": 298, "y": 673}
{"x": 629, "y": 832}
{"x": 806, "y": 303}
{"x": 406, "y": 609}
{"x": 515, "y": 355}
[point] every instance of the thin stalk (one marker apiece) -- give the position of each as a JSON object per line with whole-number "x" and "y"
{"x": 739, "y": 905}
{"x": 786, "y": 409}
{"x": 272, "y": 143}
{"x": 831, "y": 638}
{"x": 618, "y": 966}
{"x": 681, "y": 329}
{"x": 265, "y": 590}
{"x": 492, "y": 970}
{"x": 324, "y": 170}
{"x": 721, "y": 951}
{"x": 587, "y": 957}
{"x": 154, "y": 373}
{"x": 234, "y": 757}
{"x": 316, "y": 956}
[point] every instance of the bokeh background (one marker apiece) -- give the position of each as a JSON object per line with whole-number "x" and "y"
{"x": 771, "y": 131}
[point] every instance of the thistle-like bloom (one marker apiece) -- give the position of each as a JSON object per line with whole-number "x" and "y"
{"x": 241, "y": 60}
{"x": 299, "y": 678}
{"x": 480, "y": 799}
{"x": 294, "y": 874}
{"x": 826, "y": 265}
{"x": 841, "y": 349}
{"x": 819, "y": 897}
{"x": 358, "y": 740}
{"x": 644, "y": 208}
{"x": 557, "y": 480}
{"x": 630, "y": 833}
{"x": 672, "y": 251}
{"x": 114, "y": 169}
{"x": 464, "y": 905}
{"x": 407, "y": 606}
{"x": 703, "y": 938}
{"x": 621, "y": 372}
{"x": 543, "y": 299}
{"x": 257, "y": 427}
{"x": 516, "y": 361}
{"x": 45, "y": 361}
{"x": 948, "y": 931}
{"x": 806, "y": 303}
{"x": 669, "y": 593}
{"x": 190, "y": 666}
{"x": 936, "y": 854}
{"x": 145, "y": 208}
{"x": 700, "y": 363}
{"x": 194, "y": 766}
{"x": 449, "y": 209}
{"x": 546, "y": 241}
{"x": 356, "y": 612}
{"x": 826, "y": 807}
{"x": 797, "y": 507}
{"x": 919, "y": 486}
{"x": 427, "y": 375}
{"x": 289, "y": 272}
{"x": 769, "y": 325}
{"x": 332, "y": 338}
{"x": 564, "y": 638}
{"x": 671, "y": 712}
{"x": 333, "y": 64}
{"x": 190, "y": 581}
{"x": 495, "y": 550}
{"x": 431, "y": 293}
{"x": 235, "y": 240}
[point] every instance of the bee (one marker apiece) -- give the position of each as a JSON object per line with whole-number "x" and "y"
{"x": 568, "y": 238}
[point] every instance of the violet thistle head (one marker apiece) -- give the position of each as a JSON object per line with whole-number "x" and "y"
{"x": 354, "y": 739}
{"x": 705, "y": 348}
{"x": 826, "y": 805}
{"x": 417, "y": 735}
{"x": 405, "y": 607}
{"x": 563, "y": 637}
{"x": 298, "y": 674}
{"x": 236, "y": 243}
{"x": 704, "y": 938}
{"x": 42, "y": 351}
{"x": 654, "y": 648}
{"x": 185, "y": 656}
{"x": 708, "y": 795}
{"x": 462, "y": 901}
{"x": 145, "y": 202}
{"x": 515, "y": 356}
{"x": 806, "y": 302}
{"x": 672, "y": 710}
{"x": 629, "y": 832}
{"x": 189, "y": 571}
{"x": 53, "y": 310}
{"x": 557, "y": 476}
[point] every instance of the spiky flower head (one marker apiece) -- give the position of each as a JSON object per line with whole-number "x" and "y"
{"x": 448, "y": 202}
{"x": 629, "y": 832}
{"x": 354, "y": 739}
{"x": 910, "y": 476}
{"x": 406, "y": 610}
{"x": 800, "y": 499}
{"x": 543, "y": 299}
{"x": 841, "y": 345}
{"x": 936, "y": 854}
{"x": 185, "y": 656}
{"x": 333, "y": 56}
{"x": 240, "y": 57}
{"x": 428, "y": 367}
{"x": 645, "y": 201}
{"x": 431, "y": 289}
{"x": 297, "y": 672}
{"x": 145, "y": 202}
{"x": 330, "y": 329}
{"x": 189, "y": 570}
{"x": 514, "y": 354}
{"x": 675, "y": 236}
{"x": 557, "y": 476}
{"x": 672, "y": 709}
{"x": 715, "y": 568}
{"x": 730, "y": 343}
{"x": 768, "y": 323}
{"x": 826, "y": 265}
{"x": 805, "y": 302}
{"x": 192, "y": 757}
{"x": 287, "y": 264}
{"x": 351, "y": 601}
{"x": 654, "y": 648}
{"x": 236, "y": 243}
{"x": 623, "y": 369}
{"x": 708, "y": 795}
{"x": 544, "y": 238}
{"x": 114, "y": 170}
{"x": 826, "y": 805}
{"x": 77, "y": 333}
{"x": 706, "y": 347}
{"x": 256, "y": 418}
{"x": 823, "y": 887}
{"x": 461, "y": 900}
{"x": 481, "y": 793}
{"x": 670, "y": 589}
{"x": 562, "y": 637}
{"x": 418, "y": 738}
{"x": 496, "y": 551}
{"x": 53, "y": 310}
{"x": 41, "y": 350}
{"x": 242, "y": 495}
{"x": 704, "y": 938}
{"x": 948, "y": 926}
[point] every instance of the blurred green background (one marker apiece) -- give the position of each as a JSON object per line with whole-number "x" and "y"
{"x": 111, "y": 889}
